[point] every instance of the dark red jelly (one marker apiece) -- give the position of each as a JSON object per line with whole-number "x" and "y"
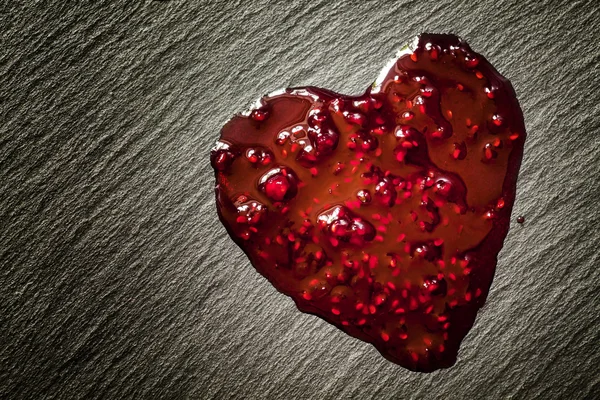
{"x": 383, "y": 213}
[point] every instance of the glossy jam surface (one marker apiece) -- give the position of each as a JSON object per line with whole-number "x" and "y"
{"x": 384, "y": 213}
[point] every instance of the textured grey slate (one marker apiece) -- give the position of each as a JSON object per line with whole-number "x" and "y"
{"x": 116, "y": 278}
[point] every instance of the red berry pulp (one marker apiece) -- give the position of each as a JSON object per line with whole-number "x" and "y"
{"x": 383, "y": 213}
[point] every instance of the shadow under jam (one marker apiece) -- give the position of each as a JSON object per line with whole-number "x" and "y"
{"x": 384, "y": 213}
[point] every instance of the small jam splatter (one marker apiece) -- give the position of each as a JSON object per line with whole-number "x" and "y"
{"x": 520, "y": 219}
{"x": 383, "y": 213}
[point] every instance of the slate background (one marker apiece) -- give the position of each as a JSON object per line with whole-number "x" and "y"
{"x": 116, "y": 278}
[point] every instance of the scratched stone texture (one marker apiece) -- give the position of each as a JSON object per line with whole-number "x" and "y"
{"x": 117, "y": 279}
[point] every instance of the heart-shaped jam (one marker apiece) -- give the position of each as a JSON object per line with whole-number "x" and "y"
{"x": 384, "y": 213}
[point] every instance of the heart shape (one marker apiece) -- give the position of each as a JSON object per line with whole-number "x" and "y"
{"x": 384, "y": 213}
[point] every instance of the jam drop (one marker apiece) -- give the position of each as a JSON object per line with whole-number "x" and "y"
{"x": 342, "y": 226}
{"x": 222, "y": 158}
{"x": 259, "y": 156}
{"x": 279, "y": 184}
{"x": 382, "y": 213}
{"x": 250, "y": 212}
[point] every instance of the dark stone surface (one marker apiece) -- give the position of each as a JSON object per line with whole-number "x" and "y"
{"x": 116, "y": 278}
